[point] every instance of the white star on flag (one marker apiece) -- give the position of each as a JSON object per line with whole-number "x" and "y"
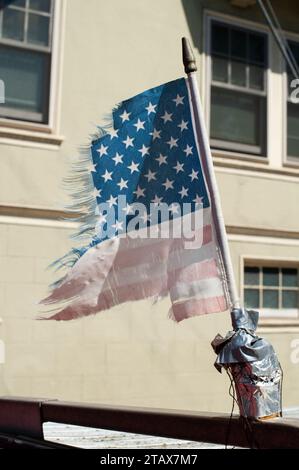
{"x": 144, "y": 150}
{"x": 151, "y": 108}
{"x": 125, "y": 116}
{"x": 128, "y": 209}
{"x": 155, "y": 134}
{"x": 161, "y": 159}
{"x": 133, "y": 167}
{"x": 128, "y": 142}
{"x": 193, "y": 175}
{"x": 102, "y": 150}
{"x": 118, "y": 158}
{"x": 198, "y": 199}
{"x": 107, "y": 176}
{"x": 139, "y": 125}
{"x": 157, "y": 200}
{"x": 97, "y": 192}
{"x": 183, "y": 126}
{"x": 150, "y": 175}
{"x": 172, "y": 142}
{"x": 178, "y": 100}
{"x": 113, "y": 133}
{"x": 168, "y": 184}
{"x": 183, "y": 192}
{"x": 139, "y": 192}
{"x": 112, "y": 201}
{"x": 166, "y": 117}
{"x": 179, "y": 167}
{"x": 174, "y": 208}
{"x": 91, "y": 167}
{"x": 188, "y": 150}
{"x": 122, "y": 184}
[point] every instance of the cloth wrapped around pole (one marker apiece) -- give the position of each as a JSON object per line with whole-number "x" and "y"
{"x": 253, "y": 365}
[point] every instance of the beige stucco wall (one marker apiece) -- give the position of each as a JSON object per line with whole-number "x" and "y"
{"x": 132, "y": 354}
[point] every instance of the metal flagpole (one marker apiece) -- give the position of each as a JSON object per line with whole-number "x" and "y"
{"x": 207, "y": 163}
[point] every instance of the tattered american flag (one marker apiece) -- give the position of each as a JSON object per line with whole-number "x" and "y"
{"x": 149, "y": 157}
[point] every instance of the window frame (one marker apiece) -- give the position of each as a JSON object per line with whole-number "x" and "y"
{"x": 18, "y": 130}
{"x": 235, "y": 148}
{"x": 288, "y": 160}
{"x": 46, "y": 51}
{"x": 283, "y": 315}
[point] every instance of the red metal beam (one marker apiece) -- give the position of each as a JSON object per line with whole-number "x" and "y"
{"x": 26, "y": 416}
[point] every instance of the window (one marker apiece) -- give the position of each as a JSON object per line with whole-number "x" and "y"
{"x": 25, "y": 59}
{"x": 273, "y": 289}
{"x": 238, "y": 116}
{"x": 292, "y": 113}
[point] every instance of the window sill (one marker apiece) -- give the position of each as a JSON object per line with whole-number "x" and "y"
{"x": 277, "y": 325}
{"x": 28, "y": 135}
{"x": 261, "y": 165}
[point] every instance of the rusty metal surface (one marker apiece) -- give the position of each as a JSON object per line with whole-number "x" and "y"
{"x": 27, "y": 416}
{"x": 18, "y": 414}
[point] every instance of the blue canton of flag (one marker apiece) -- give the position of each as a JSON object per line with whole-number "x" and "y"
{"x": 150, "y": 155}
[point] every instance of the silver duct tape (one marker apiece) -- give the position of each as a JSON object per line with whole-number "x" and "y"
{"x": 253, "y": 365}
{"x": 257, "y": 395}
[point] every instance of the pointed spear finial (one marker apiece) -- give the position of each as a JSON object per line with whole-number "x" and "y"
{"x": 188, "y": 56}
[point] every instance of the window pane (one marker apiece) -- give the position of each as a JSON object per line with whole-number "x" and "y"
{"x": 40, "y": 5}
{"x": 238, "y": 44}
{"x": 238, "y": 73}
{"x": 13, "y": 24}
{"x": 25, "y": 74}
{"x": 251, "y": 276}
{"x": 270, "y": 299}
{"x": 295, "y": 51}
{"x": 38, "y": 29}
{"x": 257, "y": 49}
{"x": 293, "y": 130}
{"x": 237, "y": 117}
{"x": 270, "y": 277}
{"x": 251, "y": 298}
{"x": 220, "y": 39}
{"x": 290, "y": 277}
{"x": 18, "y": 3}
{"x": 256, "y": 77}
{"x": 220, "y": 69}
{"x": 289, "y": 299}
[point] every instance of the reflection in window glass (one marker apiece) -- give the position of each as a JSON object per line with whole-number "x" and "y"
{"x": 270, "y": 298}
{"x": 251, "y": 276}
{"x": 13, "y": 24}
{"x": 38, "y": 29}
{"x": 251, "y": 298}
{"x": 290, "y": 299}
{"x": 238, "y": 93}
{"x": 220, "y": 69}
{"x": 290, "y": 277}
{"x": 237, "y": 116}
{"x": 25, "y": 74}
{"x": 292, "y": 111}
{"x": 40, "y": 5}
{"x": 270, "y": 276}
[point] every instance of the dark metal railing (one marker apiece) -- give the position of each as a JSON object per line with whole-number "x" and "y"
{"x": 21, "y": 423}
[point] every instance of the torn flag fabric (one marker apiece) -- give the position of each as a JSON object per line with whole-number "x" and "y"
{"x": 147, "y": 220}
